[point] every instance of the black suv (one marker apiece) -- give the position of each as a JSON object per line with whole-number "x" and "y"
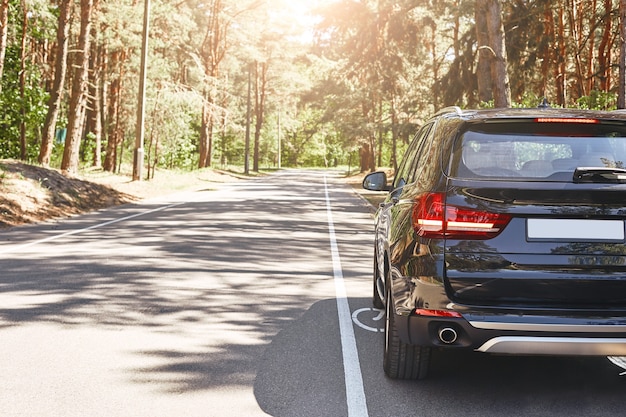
{"x": 503, "y": 232}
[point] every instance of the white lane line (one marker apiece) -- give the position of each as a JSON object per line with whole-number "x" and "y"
{"x": 357, "y": 406}
{"x": 75, "y": 232}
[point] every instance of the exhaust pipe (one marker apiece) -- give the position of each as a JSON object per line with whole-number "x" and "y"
{"x": 447, "y": 335}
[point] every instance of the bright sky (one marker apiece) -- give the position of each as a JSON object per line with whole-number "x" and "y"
{"x": 301, "y": 13}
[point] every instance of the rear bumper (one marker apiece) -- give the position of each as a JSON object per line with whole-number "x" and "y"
{"x": 579, "y": 346}
{"x": 538, "y": 335}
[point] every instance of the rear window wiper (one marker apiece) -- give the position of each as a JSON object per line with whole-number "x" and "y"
{"x": 599, "y": 174}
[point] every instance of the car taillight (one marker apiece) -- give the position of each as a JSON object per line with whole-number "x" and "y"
{"x": 433, "y": 219}
{"x": 436, "y": 313}
{"x": 567, "y": 120}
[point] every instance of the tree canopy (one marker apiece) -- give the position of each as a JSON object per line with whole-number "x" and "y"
{"x": 275, "y": 83}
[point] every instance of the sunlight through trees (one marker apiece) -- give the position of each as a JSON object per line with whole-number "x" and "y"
{"x": 343, "y": 82}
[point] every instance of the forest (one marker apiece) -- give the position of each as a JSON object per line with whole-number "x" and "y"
{"x": 263, "y": 84}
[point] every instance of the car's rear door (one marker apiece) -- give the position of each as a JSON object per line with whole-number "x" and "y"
{"x": 560, "y": 191}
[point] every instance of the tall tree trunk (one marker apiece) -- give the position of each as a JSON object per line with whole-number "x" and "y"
{"x": 110, "y": 156}
{"x": 592, "y": 50}
{"x": 4, "y": 31}
{"x": 435, "y": 64}
{"x": 210, "y": 135}
{"x": 457, "y": 28}
{"x": 366, "y": 155}
{"x": 621, "y": 98}
{"x": 152, "y": 153}
{"x": 575, "y": 25}
{"x": 604, "y": 50}
{"x": 94, "y": 113}
{"x": 212, "y": 52}
{"x": 104, "y": 94}
{"x": 204, "y": 142}
{"x": 497, "y": 41}
{"x": 259, "y": 110}
{"x": 94, "y": 107}
{"x": 372, "y": 157}
{"x": 547, "y": 51}
{"x": 246, "y": 152}
{"x": 381, "y": 131}
{"x": 485, "y": 54}
{"x": 78, "y": 99}
{"x": 560, "y": 75}
{"x": 206, "y": 132}
{"x": 56, "y": 94}
{"x": 115, "y": 92}
{"x": 23, "y": 145}
{"x": 394, "y": 135}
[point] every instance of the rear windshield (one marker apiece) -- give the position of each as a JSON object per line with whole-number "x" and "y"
{"x": 538, "y": 151}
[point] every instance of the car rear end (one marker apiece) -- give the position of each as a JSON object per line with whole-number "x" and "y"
{"x": 532, "y": 228}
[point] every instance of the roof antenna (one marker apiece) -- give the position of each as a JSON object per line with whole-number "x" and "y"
{"x": 544, "y": 104}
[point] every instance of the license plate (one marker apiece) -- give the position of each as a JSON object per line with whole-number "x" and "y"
{"x": 576, "y": 230}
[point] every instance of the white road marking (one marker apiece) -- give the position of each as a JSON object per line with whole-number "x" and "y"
{"x": 619, "y": 361}
{"x": 75, "y": 232}
{"x": 357, "y": 406}
{"x": 355, "y": 319}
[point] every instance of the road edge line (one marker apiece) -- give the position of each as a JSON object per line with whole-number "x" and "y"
{"x": 355, "y": 393}
{"x": 77, "y": 231}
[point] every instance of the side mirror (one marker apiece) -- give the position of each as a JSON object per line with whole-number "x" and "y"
{"x": 376, "y": 181}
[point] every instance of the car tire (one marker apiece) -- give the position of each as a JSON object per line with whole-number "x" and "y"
{"x": 376, "y": 300}
{"x": 402, "y": 360}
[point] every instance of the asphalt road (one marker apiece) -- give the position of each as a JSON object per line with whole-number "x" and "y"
{"x": 250, "y": 300}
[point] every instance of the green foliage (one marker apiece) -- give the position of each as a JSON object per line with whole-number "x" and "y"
{"x": 228, "y": 148}
{"x": 171, "y": 136}
{"x": 527, "y": 101}
{"x": 178, "y": 154}
{"x": 372, "y": 68}
{"x": 31, "y": 110}
{"x": 598, "y": 100}
{"x": 42, "y": 20}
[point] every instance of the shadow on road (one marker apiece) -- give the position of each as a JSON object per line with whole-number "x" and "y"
{"x": 301, "y": 373}
{"x": 212, "y": 281}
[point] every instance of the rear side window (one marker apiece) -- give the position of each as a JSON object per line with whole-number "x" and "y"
{"x": 407, "y": 167}
{"x": 538, "y": 151}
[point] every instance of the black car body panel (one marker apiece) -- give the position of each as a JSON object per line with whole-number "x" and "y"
{"x": 513, "y": 268}
{"x": 504, "y": 232}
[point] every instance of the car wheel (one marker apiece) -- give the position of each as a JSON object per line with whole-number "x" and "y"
{"x": 402, "y": 360}
{"x": 376, "y": 300}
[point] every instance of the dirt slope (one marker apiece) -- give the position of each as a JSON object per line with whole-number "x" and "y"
{"x": 31, "y": 194}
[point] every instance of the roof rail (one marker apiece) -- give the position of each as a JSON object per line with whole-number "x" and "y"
{"x": 450, "y": 109}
